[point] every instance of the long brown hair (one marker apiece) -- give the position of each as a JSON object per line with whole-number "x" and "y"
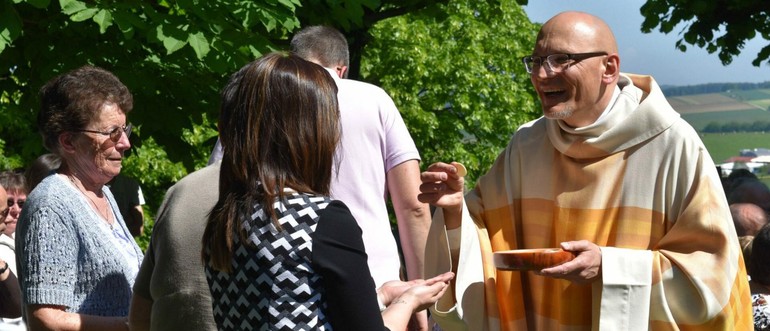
{"x": 279, "y": 127}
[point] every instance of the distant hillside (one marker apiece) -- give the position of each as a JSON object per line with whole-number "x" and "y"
{"x": 672, "y": 91}
{"x": 726, "y": 112}
{"x": 730, "y": 117}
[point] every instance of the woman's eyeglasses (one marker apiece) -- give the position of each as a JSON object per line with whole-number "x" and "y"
{"x": 18, "y": 202}
{"x": 114, "y": 134}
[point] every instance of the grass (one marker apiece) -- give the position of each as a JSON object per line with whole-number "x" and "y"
{"x": 724, "y": 146}
{"x": 764, "y": 103}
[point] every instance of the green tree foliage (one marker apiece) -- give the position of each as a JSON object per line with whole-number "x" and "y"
{"x": 456, "y": 75}
{"x": 173, "y": 55}
{"x": 734, "y": 126}
{"x": 721, "y": 25}
{"x": 356, "y": 17}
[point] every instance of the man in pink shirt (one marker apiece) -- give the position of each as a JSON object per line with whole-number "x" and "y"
{"x": 377, "y": 158}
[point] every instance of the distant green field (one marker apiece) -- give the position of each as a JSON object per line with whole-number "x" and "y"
{"x": 700, "y": 120}
{"x": 749, "y": 95}
{"x": 724, "y": 146}
{"x": 764, "y": 103}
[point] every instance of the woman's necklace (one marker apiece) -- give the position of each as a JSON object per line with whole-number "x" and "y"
{"x": 104, "y": 214}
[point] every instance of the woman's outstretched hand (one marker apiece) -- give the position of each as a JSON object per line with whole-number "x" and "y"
{"x": 419, "y": 289}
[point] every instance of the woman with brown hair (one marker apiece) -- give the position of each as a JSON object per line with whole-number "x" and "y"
{"x": 279, "y": 253}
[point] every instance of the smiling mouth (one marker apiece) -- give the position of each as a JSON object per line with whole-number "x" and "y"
{"x": 552, "y": 92}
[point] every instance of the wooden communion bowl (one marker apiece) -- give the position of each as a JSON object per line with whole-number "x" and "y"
{"x": 531, "y": 259}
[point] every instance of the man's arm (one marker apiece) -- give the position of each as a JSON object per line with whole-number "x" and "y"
{"x": 135, "y": 221}
{"x": 413, "y": 216}
{"x": 413, "y": 219}
{"x": 10, "y": 293}
{"x": 140, "y": 313}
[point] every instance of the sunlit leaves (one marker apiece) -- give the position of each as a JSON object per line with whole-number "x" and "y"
{"x": 171, "y": 37}
{"x": 104, "y": 19}
{"x": 84, "y": 14}
{"x": 71, "y": 7}
{"x": 10, "y": 25}
{"x": 199, "y": 43}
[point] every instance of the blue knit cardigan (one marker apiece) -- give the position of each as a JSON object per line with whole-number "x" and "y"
{"x": 65, "y": 257}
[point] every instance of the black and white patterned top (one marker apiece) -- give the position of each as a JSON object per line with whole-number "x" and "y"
{"x": 310, "y": 275}
{"x": 761, "y": 307}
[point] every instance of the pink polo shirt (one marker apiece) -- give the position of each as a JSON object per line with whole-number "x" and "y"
{"x": 374, "y": 140}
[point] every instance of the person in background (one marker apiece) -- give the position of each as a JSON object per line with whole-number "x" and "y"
{"x": 279, "y": 253}
{"x": 10, "y": 294}
{"x": 171, "y": 292}
{"x": 746, "y": 247}
{"x": 736, "y": 177}
{"x": 128, "y": 195}
{"x": 76, "y": 258}
{"x": 611, "y": 173}
{"x": 748, "y": 218}
{"x": 16, "y": 188}
{"x": 759, "y": 270}
{"x": 39, "y": 169}
{"x": 747, "y": 190}
{"x": 15, "y": 185}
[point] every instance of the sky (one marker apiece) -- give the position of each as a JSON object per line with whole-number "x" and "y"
{"x": 655, "y": 53}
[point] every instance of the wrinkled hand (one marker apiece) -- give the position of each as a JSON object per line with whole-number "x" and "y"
{"x": 585, "y": 268}
{"x": 442, "y": 186}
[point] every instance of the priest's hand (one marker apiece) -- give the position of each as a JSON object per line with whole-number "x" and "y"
{"x": 442, "y": 186}
{"x": 585, "y": 268}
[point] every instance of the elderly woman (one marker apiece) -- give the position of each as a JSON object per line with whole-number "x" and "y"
{"x": 279, "y": 253}
{"x": 77, "y": 260}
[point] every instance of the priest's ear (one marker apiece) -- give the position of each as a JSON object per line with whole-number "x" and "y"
{"x": 611, "y": 68}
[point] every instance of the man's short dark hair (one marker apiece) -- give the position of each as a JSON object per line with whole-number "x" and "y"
{"x": 321, "y": 44}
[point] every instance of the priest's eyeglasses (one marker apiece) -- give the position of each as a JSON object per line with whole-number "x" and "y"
{"x": 556, "y": 63}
